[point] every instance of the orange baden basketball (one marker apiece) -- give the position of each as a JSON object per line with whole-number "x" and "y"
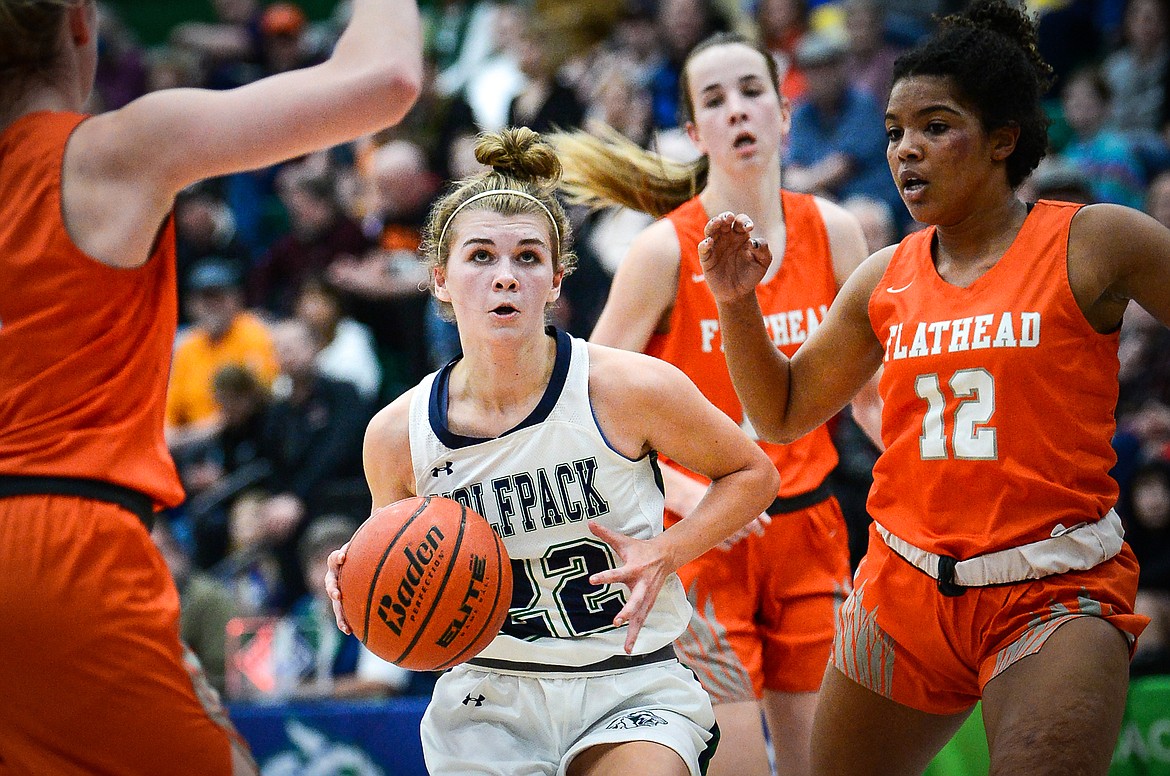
{"x": 426, "y": 583}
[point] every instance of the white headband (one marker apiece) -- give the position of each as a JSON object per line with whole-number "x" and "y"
{"x": 493, "y": 192}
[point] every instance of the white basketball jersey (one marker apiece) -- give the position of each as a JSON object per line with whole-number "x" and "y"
{"x": 538, "y": 485}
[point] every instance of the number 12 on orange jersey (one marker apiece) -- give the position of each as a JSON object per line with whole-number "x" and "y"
{"x": 972, "y": 438}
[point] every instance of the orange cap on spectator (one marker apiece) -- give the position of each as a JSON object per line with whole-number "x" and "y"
{"x": 282, "y": 19}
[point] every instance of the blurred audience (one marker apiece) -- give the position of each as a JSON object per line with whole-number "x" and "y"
{"x": 838, "y": 141}
{"x": 782, "y": 26}
{"x": 346, "y": 347}
{"x": 1148, "y": 533}
{"x": 1136, "y": 71}
{"x": 222, "y": 332}
{"x": 1102, "y": 154}
{"x": 869, "y": 59}
{"x": 312, "y": 437}
{"x": 225, "y": 464}
{"x": 315, "y": 659}
{"x": 205, "y": 603}
{"x": 319, "y": 232}
{"x": 122, "y": 70}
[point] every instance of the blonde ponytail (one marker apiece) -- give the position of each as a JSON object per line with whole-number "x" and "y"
{"x": 606, "y": 168}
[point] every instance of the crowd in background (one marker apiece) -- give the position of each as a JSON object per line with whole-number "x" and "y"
{"x": 301, "y": 287}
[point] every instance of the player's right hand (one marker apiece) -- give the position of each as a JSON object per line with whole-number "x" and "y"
{"x": 336, "y": 560}
{"x": 733, "y": 261}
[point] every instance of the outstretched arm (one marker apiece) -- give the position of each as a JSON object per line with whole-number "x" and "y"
{"x": 123, "y": 168}
{"x": 784, "y": 398}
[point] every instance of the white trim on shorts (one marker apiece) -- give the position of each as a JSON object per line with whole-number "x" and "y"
{"x": 1077, "y": 548}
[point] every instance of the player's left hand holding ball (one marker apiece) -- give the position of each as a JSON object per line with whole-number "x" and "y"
{"x": 336, "y": 559}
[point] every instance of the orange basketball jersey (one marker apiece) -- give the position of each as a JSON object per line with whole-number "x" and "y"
{"x": 793, "y": 302}
{"x": 84, "y": 348}
{"x": 998, "y": 398}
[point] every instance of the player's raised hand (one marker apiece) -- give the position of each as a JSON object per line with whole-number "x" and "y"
{"x": 644, "y": 570}
{"x": 733, "y": 261}
{"x": 336, "y": 560}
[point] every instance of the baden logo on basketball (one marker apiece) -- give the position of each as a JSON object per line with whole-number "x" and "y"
{"x": 421, "y": 564}
{"x": 426, "y": 583}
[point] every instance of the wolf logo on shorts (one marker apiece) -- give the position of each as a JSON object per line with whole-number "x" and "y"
{"x": 636, "y": 719}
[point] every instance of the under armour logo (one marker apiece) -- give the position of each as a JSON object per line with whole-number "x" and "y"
{"x": 477, "y": 701}
{"x": 446, "y": 469}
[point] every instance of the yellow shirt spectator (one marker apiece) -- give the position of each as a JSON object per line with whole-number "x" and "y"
{"x": 222, "y": 333}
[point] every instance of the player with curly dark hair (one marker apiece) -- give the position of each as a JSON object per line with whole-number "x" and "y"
{"x": 996, "y": 568}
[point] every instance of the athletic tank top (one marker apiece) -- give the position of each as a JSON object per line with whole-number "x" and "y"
{"x": 793, "y": 302}
{"x": 538, "y": 485}
{"x": 998, "y": 398}
{"x": 85, "y": 348}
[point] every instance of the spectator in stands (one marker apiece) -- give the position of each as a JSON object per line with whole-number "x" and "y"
{"x": 382, "y": 288}
{"x": 168, "y": 67}
{"x": 461, "y": 39}
{"x": 545, "y": 101}
{"x": 283, "y": 43}
{"x": 1103, "y": 155}
{"x": 783, "y": 24}
{"x": 681, "y": 25}
{"x": 251, "y": 570}
{"x": 318, "y": 233}
{"x": 205, "y": 603}
{"x": 489, "y": 89}
{"x": 1056, "y": 178}
{"x": 1074, "y": 33}
{"x": 313, "y": 439}
{"x": 121, "y": 70}
{"x": 1148, "y": 533}
{"x": 229, "y": 461}
{"x": 870, "y": 56}
{"x": 316, "y": 659}
{"x": 838, "y": 144}
{"x": 1134, "y": 72}
{"x": 347, "y": 351}
{"x": 222, "y": 332}
{"x": 228, "y": 47}
{"x": 635, "y": 42}
{"x": 205, "y": 228}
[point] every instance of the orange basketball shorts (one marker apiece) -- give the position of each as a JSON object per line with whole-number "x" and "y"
{"x": 93, "y": 676}
{"x": 764, "y": 612}
{"x": 900, "y": 637}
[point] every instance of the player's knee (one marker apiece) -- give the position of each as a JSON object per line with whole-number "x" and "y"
{"x": 1062, "y": 746}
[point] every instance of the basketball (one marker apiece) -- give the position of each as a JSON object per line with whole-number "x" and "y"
{"x": 426, "y": 583}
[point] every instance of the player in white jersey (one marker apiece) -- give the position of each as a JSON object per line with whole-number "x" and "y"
{"x": 555, "y": 441}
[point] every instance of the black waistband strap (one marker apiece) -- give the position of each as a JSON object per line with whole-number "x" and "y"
{"x": 615, "y": 663}
{"x": 782, "y": 506}
{"x": 131, "y": 500}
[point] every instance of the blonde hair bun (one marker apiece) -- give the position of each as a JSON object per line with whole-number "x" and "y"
{"x": 518, "y": 152}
